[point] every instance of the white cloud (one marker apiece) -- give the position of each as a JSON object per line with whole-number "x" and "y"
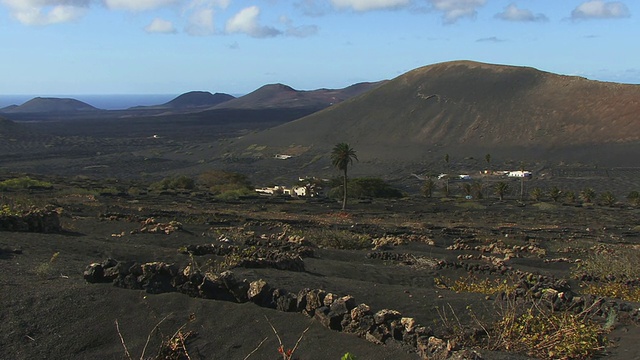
{"x": 366, "y": 5}
{"x": 46, "y": 12}
{"x": 246, "y": 22}
{"x": 201, "y": 23}
{"x": 222, "y": 4}
{"x": 313, "y": 7}
{"x": 456, "y": 9}
{"x": 598, "y": 9}
{"x": 160, "y": 26}
{"x": 138, "y": 5}
{"x": 513, "y": 13}
{"x": 297, "y": 31}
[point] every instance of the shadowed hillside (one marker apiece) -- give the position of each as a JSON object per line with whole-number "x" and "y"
{"x": 283, "y": 96}
{"x": 50, "y": 105}
{"x": 469, "y": 107}
{"x": 190, "y": 101}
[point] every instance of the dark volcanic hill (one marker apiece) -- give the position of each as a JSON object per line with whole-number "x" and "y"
{"x": 190, "y": 101}
{"x": 282, "y": 96}
{"x": 50, "y": 105}
{"x": 469, "y": 108}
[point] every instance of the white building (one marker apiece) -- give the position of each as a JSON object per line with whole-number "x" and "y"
{"x": 519, "y": 174}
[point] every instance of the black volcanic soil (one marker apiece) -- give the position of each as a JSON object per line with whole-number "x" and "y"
{"x": 57, "y": 315}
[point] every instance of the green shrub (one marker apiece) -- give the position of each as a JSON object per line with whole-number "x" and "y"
{"x": 613, "y": 263}
{"x": 221, "y": 182}
{"x": 174, "y": 183}
{"x": 608, "y": 198}
{"x": 634, "y": 198}
{"x": 24, "y": 182}
{"x": 555, "y": 193}
{"x": 549, "y": 335}
{"x": 234, "y": 194}
{"x": 365, "y": 188}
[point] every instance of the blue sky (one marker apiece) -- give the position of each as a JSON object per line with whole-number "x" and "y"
{"x": 236, "y": 46}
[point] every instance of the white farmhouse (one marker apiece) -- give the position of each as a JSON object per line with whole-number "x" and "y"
{"x": 519, "y": 174}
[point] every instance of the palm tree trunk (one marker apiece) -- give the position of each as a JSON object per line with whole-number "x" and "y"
{"x": 344, "y": 188}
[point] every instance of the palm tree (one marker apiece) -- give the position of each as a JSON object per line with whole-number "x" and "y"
{"x": 536, "y": 194}
{"x": 587, "y": 194}
{"x": 555, "y": 193}
{"x": 608, "y": 198}
{"x": 341, "y": 156}
{"x": 522, "y": 181}
{"x": 487, "y": 158}
{"x": 477, "y": 189}
{"x": 501, "y": 188}
{"x": 446, "y": 160}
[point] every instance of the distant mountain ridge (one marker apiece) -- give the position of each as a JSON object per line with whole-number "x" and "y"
{"x": 190, "y": 100}
{"x": 283, "y": 96}
{"x": 49, "y": 105}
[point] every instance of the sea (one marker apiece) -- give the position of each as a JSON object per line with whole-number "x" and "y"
{"x": 105, "y": 102}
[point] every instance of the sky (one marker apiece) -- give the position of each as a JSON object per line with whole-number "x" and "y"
{"x": 236, "y": 46}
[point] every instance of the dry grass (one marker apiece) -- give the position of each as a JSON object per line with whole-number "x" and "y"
{"x": 475, "y": 285}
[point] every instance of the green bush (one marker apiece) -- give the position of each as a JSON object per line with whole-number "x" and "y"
{"x": 24, "y": 182}
{"x": 365, "y": 188}
{"x": 221, "y": 182}
{"x": 174, "y": 183}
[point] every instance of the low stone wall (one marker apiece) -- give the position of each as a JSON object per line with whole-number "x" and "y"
{"x": 36, "y": 220}
{"x": 337, "y": 312}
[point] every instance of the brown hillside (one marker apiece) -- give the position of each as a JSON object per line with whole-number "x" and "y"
{"x": 283, "y": 96}
{"x": 472, "y": 105}
{"x": 45, "y": 104}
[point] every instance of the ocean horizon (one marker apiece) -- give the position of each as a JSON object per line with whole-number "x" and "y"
{"x": 100, "y": 101}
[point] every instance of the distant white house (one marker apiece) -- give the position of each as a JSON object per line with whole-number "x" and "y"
{"x": 464, "y": 177}
{"x": 270, "y": 190}
{"x": 301, "y": 191}
{"x": 282, "y": 156}
{"x": 519, "y": 174}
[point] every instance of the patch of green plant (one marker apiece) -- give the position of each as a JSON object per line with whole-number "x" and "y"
{"x": 611, "y": 263}
{"x": 475, "y": 285}
{"x": 24, "y": 182}
{"x": 634, "y": 198}
{"x": 545, "y": 206}
{"x": 220, "y": 182}
{"x": 174, "y": 183}
{"x": 8, "y": 210}
{"x": 607, "y": 198}
{"x": 555, "y": 193}
{"x": 536, "y": 194}
{"x": 549, "y": 335}
{"x": 348, "y": 356}
{"x": 616, "y": 290}
{"x": 470, "y": 205}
